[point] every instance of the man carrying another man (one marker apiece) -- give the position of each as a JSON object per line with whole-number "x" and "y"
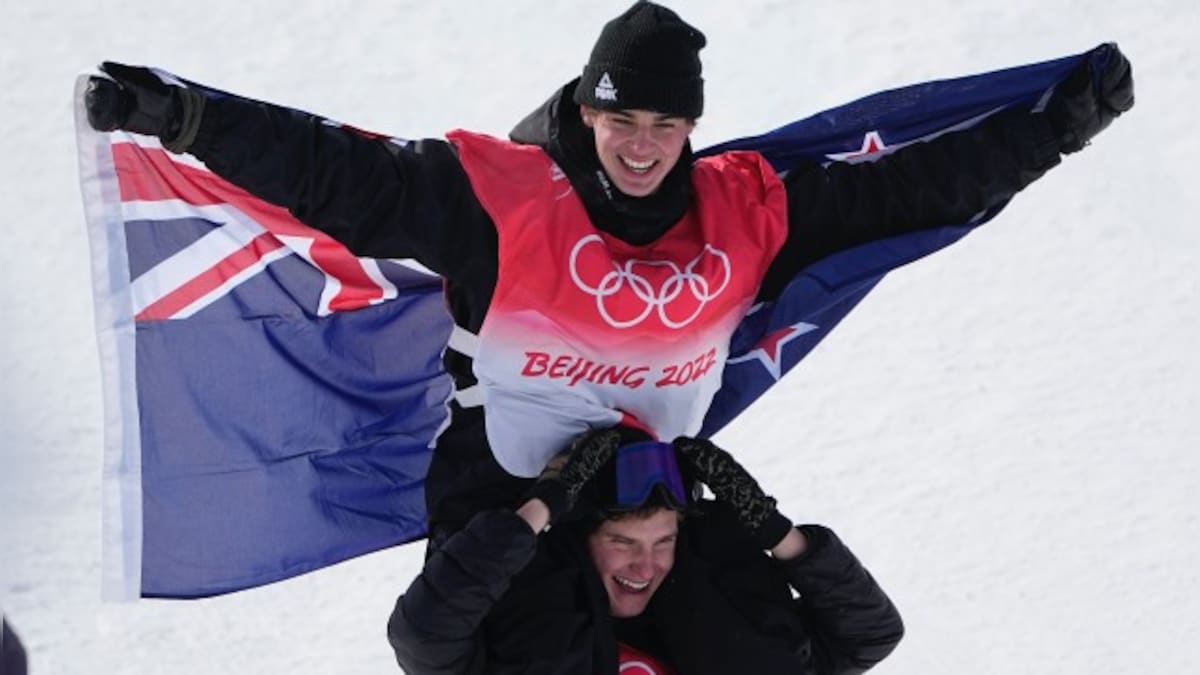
{"x": 638, "y": 572}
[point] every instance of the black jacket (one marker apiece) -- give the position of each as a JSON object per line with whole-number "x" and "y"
{"x": 387, "y": 200}
{"x": 496, "y": 599}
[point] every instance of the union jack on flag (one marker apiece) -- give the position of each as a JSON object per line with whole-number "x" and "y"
{"x": 158, "y": 186}
{"x": 271, "y": 399}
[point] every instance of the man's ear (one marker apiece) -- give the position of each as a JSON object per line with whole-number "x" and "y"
{"x": 588, "y": 115}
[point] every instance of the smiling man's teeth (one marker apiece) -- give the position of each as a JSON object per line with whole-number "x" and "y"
{"x": 638, "y": 166}
{"x": 632, "y": 585}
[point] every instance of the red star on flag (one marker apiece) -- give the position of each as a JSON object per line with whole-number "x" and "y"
{"x": 872, "y": 147}
{"x": 769, "y": 350}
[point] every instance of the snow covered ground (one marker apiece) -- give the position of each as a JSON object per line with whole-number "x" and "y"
{"x": 1008, "y": 433}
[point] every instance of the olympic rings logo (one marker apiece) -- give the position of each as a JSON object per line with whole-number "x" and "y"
{"x": 670, "y": 294}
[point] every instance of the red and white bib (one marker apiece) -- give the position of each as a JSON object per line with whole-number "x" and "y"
{"x": 633, "y": 662}
{"x": 585, "y": 330}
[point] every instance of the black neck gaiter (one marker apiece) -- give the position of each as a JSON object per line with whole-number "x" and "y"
{"x": 634, "y": 220}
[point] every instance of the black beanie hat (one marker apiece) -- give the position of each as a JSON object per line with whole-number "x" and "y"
{"x": 646, "y": 59}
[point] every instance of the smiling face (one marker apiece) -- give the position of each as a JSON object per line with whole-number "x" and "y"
{"x": 633, "y": 555}
{"x": 637, "y": 148}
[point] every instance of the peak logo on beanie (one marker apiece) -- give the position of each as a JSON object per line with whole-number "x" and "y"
{"x": 645, "y": 59}
{"x": 605, "y": 91}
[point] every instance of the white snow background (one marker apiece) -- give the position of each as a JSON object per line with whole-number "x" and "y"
{"x": 1006, "y": 433}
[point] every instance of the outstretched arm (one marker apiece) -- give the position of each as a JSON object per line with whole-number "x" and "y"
{"x": 949, "y": 179}
{"x": 379, "y": 198}
{"x": 941, "y": 182}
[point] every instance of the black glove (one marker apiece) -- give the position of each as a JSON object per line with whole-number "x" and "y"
{"x": 1090, "y": 98}
{"x": 567, "y": 473}
{"x": 735, "y": 486}
{"x": 136, "y": 100}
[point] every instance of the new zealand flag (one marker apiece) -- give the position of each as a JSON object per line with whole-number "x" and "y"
{"x": 271, "y": 399}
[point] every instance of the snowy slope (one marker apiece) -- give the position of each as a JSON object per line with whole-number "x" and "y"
{"x": 1006, "y": 432}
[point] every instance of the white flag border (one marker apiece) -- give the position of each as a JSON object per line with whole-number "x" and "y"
{"x": 121, "y": 478}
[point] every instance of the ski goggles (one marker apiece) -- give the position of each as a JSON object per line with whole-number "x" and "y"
{"x": 643, "y": 467}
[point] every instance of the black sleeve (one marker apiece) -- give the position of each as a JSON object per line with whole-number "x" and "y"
{"x": 944, "y": 181}
{"x": 435, "y": 627}
{"x": 379, "y": 198}
{"x": 852, "y": 622}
